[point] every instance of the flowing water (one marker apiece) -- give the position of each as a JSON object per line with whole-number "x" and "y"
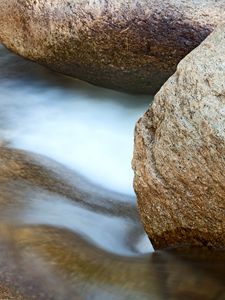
{"x": 69, "y": 225}
{"x": 87, "y": 128}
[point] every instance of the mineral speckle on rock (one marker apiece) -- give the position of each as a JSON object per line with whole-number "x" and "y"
{"x": 126, "y": 45}
{"x": 179, "y": 156}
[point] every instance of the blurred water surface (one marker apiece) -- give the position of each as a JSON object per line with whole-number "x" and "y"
{"x": 87, "y": 128}
{"x": 62, "y": 237}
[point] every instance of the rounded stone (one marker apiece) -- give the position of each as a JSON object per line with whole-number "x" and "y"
{"x": 126, "y": 45}
{"x": 179, "y": 156}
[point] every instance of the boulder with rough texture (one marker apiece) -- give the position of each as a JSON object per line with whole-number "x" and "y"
{"x": 125, "y": 45}
{"x": 179, "y": 157}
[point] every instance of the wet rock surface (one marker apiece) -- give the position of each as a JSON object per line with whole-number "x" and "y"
{"x": 125, "y": 45}
{"x": 179, "y": 155}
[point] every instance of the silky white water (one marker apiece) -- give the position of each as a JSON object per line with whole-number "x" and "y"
{"x": 99, "y": 255}
{"x": 87, "y": 128}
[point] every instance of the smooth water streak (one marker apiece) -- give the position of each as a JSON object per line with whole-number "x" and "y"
{"x": 61, "y": 237}
{"x": 87, "y": 128}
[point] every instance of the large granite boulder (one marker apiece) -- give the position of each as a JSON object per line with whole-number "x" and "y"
{"x": 125, "y": 45}
{"x": 179, "y": 157}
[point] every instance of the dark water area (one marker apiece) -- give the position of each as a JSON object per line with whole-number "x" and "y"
{"x": 69, "y": 225}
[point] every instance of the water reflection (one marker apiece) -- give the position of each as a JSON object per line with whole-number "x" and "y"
{"x": 56, "y": 264}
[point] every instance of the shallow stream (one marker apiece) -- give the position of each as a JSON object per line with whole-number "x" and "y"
{"x": 74, "y": 233}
